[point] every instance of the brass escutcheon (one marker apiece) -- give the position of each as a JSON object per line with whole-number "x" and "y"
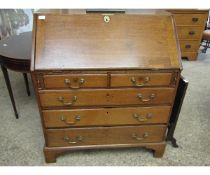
{"x": 106, "y": 19}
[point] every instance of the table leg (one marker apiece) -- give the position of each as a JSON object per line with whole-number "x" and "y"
{"x": 26, "y": 82}
{"x": 7, "y": 80}
{"x": 176, "y": 110}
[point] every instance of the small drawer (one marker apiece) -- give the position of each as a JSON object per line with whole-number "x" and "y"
{"x": 190, "y": 19}
{"x": 189, "y": 32}
{"x": 75, "y": 81}
{"x": 105, "y": 135}
{"x": 141, "y": 79}
{"x": 190, "y": 55}
{"x": 106, "y": 97}
{"x": 106, "y": 117}
{"x": 189, "y": 46}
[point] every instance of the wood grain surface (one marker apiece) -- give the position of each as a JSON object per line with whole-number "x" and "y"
{"x": 90, "y": 81}
{"x": 130, "y": 65}
{"x": 105, "y": 135}
{"x": 87, "y": 42}
{"x": 106, "y": 97}
{"x": 106, "y": 116}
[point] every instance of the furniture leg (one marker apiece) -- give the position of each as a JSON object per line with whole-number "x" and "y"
{"x": 205, "y": 47}
{"x": 176, "y": 110}
{"x": 50, "y": 156}
{"x": 170, "y": 135}
{"x": 26, "y": 82}
{"x": 7, "y": 80}
{"x": 158, "y": 149}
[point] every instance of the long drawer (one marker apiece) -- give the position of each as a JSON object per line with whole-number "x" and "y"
{"x": 106, "y": 97}
{"x": 190, "y": 19}
{"x": 189, "y": 32}
{"x": 75, "y": 81}
{"x": 105, "y": 135}
{"x": 106, "y": 117}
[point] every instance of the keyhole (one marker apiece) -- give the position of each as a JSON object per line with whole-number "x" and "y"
{"x": 75, "y": 80}
{"x": 107, "y": 113}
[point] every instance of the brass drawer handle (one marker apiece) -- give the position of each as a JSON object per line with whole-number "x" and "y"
{"x": 73, "y": 141}
{"x": 142, "y": 118}
{"x": 135, "y": 136}
{"x": 194, "y": 19}
{"x": 67, "y": 82}
{"x": 146, "y": 80}
{"x": 140, "y": 96}
{"x": 191, "y": 33}
{"x": 188, "y": 46}
{"x": 61, "y": 99}
{"x": 76, "y": 119}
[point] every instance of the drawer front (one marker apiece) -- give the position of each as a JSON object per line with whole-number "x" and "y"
{"x": 105, "y": 135}
{"x": 75, "y": 81}
{"x": 190, "y": 19}
{"x": 189, "y": 32}
{"x": 105, "y": 117}
{"x": 141, "y": 79}
{"x": 189, "y": 46}
{"x": 106, "y": 97}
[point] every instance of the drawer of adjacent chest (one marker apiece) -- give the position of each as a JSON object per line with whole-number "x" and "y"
{"x": 141, "y": 79}
{"x": 105, "y": 135}
{"x": 75, "y": 81}
{"x": 106, "y": 97}
{"x": 191, "y": 32}
{"x": 106, "y": 117}
{"x": 190, "y": 19}
{"x": 189, "y": 46}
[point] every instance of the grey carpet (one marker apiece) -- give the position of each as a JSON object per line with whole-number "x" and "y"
{"x": 21, "y": 141}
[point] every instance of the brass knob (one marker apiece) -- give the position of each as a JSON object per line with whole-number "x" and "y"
{"x": 188, "y": 46}
{"x": 191, "y": 32}
{"x": 194, "y": 19}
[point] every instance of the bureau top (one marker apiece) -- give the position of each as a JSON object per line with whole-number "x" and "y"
{"x": 98, "y": 41}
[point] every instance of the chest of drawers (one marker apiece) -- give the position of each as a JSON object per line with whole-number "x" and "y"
{"x": 190, "y": 25}
{"x": 104, "y": 80}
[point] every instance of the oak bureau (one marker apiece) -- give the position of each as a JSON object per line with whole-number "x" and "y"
{"x": 104, "y": 79}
